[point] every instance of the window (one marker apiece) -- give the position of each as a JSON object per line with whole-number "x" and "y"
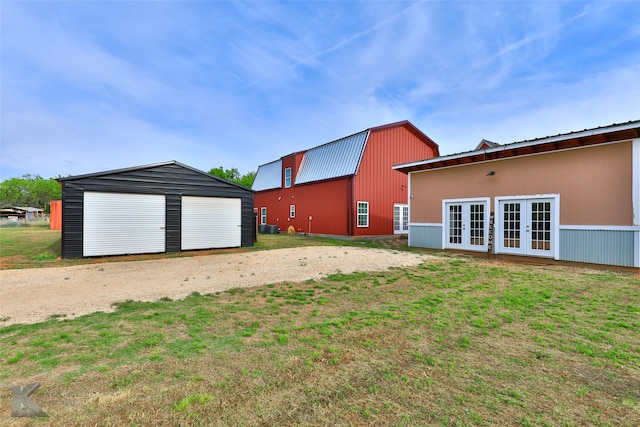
{"x": 292, "y": 211}
{"x": 287, "y": 178}
{"x": 263, "y": 215}
{"x": 363, "y": 214}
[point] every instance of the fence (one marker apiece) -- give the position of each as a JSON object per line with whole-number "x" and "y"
{"x": 14, "y": 221}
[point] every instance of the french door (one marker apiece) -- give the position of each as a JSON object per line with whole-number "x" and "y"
{"x": 466, "y": 224}
{"x": 400, "y": 219}
{"x": 528, "y": 226}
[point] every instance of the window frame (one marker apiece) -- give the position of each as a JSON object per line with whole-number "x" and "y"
{"x": 263, "y": 215}
{"x": 292, "y": 211}
{"x": 287, "y": 177}
{"x": 360, "y": 215}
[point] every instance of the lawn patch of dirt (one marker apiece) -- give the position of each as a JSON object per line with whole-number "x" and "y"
{"x": 34, "y": 295}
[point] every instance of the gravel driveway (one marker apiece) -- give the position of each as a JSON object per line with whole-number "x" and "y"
{"x": 33, "y": 295}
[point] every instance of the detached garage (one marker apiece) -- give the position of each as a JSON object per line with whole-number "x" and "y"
{"x": 164, "y": 207}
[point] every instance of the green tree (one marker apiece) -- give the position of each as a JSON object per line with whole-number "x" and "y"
{"x": 234, "y": 175}
{"x": 29, "y": 190}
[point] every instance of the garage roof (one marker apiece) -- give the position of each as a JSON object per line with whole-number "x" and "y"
{"x": 150, "y": 166}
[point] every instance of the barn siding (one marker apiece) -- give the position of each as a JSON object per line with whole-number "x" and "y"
{"x": 611, "y": 247}
{"x": 72, "y": 219}
{"x": 568, "y": 173}
{"x": 324, "y": 201}
{"x": 425, "y": 236}
{"x": 377, "y": 183}
{"x": 171, "y": 179}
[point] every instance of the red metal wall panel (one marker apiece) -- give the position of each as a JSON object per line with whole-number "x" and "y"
{"x": 325, "y": 202}
{"x": 297, "y": 160}
{"x": 377, "y": 183}
{"x": 289, "y": 162}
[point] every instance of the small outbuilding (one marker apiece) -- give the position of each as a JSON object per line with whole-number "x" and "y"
{"x": 28, "y": 213}
{"x": 570, "y": 197}
{"x": 163, "y": 207}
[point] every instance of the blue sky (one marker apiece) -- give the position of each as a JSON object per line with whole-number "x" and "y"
{"x": 89, "y": 86}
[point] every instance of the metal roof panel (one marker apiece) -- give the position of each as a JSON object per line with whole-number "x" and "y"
{"x": 332, "y": 160}
{"x": 149, "y": 166}
{"x": 269, "y": 176}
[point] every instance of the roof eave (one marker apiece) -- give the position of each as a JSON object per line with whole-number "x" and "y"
{"x": 114, "y": 171}
{"x": 584, "y": 138}
{"x": 149, "y": 166}
{"x": 415, "y": 130}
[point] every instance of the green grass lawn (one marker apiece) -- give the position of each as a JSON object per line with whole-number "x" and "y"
{"x": 28, "y": 246}
{"x": 453, "y": 341}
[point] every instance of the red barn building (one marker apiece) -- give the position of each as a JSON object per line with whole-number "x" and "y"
{"x": 345, "y": 187}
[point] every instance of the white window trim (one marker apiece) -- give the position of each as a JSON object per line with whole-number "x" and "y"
{"x": 445, "y": 222}
{"x": 285, "y": 178}
{"x": 358, "y": 214}
{"x": 556, "y": 225}
{"x": 635, "y": 180}
{"x": 292, "y": 211}
{"x": 426, "y": 224}
{"x": 600, "y": 227}
{"x": 263, "y": 215}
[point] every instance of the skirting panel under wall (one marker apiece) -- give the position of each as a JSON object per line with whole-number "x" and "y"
{"x": 425, "y": 236}
{"x": 611, "y": 247}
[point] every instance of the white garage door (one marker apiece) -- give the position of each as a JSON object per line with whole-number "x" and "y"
{"x": 210, "y": 222}
{"x": 119, "y": 223}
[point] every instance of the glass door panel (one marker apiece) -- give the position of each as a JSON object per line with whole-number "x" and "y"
{"x": 455, "y": 225}
{"x": 512, "y": 225}
{"x": 400, "y": 219}
{"x": 476, "y": 224}
{"x": 527, "y": 226}
{"x": 466, "y": 225}
{"x": 540, "y": 223}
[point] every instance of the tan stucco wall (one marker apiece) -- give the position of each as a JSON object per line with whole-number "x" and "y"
{"x": 594, "y": 183}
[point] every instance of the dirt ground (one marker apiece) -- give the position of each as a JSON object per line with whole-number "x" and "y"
{"x": 34, "y": 295}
